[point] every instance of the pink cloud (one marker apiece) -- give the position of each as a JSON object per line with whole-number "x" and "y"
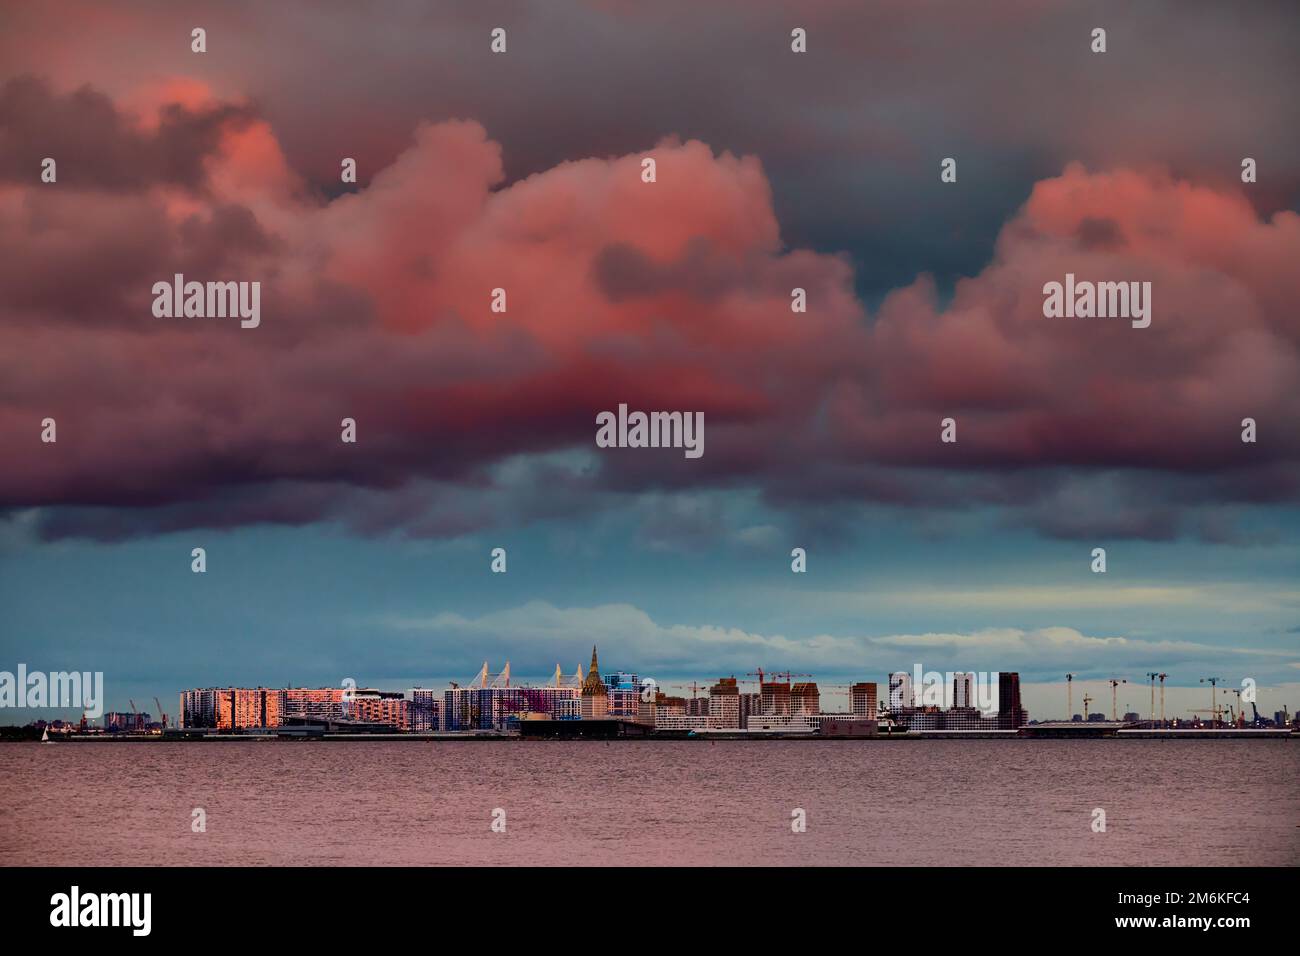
{"x": 672, "y": 295}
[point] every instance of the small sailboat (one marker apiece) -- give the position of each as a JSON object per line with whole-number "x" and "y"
{"x": 45, "y": 735}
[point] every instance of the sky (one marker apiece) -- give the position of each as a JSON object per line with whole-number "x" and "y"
{"x": 522, "y": 170}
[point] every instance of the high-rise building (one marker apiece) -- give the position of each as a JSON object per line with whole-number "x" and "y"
{"x": 1011, "y": 714}
{"x": 567, "y": 707}
{"x": 231, "y": 708}
{"x": 314, "y": 703}
{"x": 862, "y": 700}
{"x": 724, "y": 703}
{"x": 198, "y": 708}
{"x": 901, "y": 694}
{"x": 382, "y": 707}
{"x": 624, "y": 695}
{"x": 250, "y": 707}
{"x": 595, "y": 696}
{"x": 805, "y": 700}
{"x": 751, "y": 705}
{"x": 666, "y": 706}
{"x": 425, "y": 710}
{"x": 963, "y": 690}
{"x": 775, "y": 697}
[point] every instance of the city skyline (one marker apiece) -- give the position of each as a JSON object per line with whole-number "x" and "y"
{"x": 1179, "y": 702}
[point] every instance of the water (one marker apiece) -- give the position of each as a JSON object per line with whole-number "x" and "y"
{"x": 981, "y": 802}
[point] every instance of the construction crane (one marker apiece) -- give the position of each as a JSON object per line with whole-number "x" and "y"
{"x": 1114, "y": 705}
{"x": 1214, "y": 683}
{"x": 766, "y": 677}
{"x": 161, "y": 716}
{"x": 1162, "y": 698}
{"x": 1069, "y": 697}
{"x": 694, "y": 687}
{"x": 1151, "y": 676}
{"x": 1086, "y": 701}
{"x": 1234, "y": 720}
{"x": 1258, "y": 721}
{"x": 787, "y": 675}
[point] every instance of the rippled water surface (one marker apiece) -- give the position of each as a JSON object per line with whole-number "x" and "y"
{"x": 997, "y": 802}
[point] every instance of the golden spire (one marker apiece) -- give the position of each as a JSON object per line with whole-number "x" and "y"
{"x": 593, "y": 686}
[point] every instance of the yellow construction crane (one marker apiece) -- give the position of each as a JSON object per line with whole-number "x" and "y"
{"x": 1086, "y": 701}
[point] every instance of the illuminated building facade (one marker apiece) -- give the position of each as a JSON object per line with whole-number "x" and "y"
{"x": 595, "y": 695}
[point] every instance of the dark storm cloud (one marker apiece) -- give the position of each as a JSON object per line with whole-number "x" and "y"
{"x": 851, "y": 133}
{"x": 96, "y": 147}
{"x": 675, "y": 297}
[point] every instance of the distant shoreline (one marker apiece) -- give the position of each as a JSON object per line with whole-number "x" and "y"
{"x": 1199, "y": 734}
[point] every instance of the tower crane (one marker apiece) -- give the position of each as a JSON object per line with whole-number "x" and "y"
{"x": 1114, "y": 684}
{"x": 787, "y": 675}
{"x": 1069, "y": 697}
{"x": 1151, "y": 676}
{"x": 1214, "y": 683}
{"x": 1086, "y": 701}
{"x": 1236, "y": 718}
{"x": 1162, "y": 698}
